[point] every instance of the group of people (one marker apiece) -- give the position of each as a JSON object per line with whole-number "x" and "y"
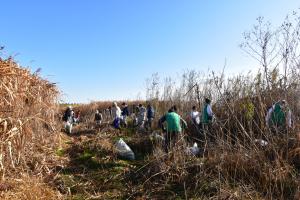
{"x": 142, "y": 117}
{"x": 278, "y": 120}
{"x": 175, "y": 124}
{"x": 202, "y": 119}
{"x": 278, "y": 117}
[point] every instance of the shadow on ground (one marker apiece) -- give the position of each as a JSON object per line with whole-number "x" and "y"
{"x": 93, "y": 169}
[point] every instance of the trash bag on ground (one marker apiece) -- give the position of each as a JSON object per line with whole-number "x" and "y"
{"x": 124, "y": 150}
{"x": 157, "y": 137}
{"x": 261, "y": 142}
{"x": 194, "y": 150}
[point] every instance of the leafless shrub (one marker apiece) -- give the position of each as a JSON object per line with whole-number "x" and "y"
{"x": 233, "y": 165}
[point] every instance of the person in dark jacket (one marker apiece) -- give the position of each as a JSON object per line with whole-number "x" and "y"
{"x": 109, "y": 113}
{"x": 124, "y": 114}
{"x": 150, "y": 116}
{"x": 68, "y": 118}
{"x": 98, "y": 117}
{"x": 67, "y": 114}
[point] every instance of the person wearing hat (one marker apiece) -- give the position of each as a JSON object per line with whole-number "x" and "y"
{"x": 279, "y": 116}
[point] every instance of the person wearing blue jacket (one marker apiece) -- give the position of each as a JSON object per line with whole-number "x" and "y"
{"x": 124, "y": 114}
{"x": 150, "y": 116}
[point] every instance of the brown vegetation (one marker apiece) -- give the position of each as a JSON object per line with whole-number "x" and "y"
{"x": 232, "y": 165}
{"x": 27, "y": 124}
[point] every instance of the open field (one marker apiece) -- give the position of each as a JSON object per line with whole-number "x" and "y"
{"x": 240, "y": 157}
{"x": 85, "y": 165}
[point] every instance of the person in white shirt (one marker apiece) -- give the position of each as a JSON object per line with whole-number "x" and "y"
{"x": 141, "y": 116}
{"x": 116, "y": 114}
{"x": 195, "y": 116}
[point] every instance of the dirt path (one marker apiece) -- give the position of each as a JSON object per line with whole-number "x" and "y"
{"x": 92, "y": 169}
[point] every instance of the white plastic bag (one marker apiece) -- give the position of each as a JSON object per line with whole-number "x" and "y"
{"x": 157, "y": 137}
{"x": 194, "y": 150}
{"x": 261, "y": 142}
{"x": 124, "y": 150}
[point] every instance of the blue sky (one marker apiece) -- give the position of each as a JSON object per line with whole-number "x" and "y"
{"x": 105, "y": 49}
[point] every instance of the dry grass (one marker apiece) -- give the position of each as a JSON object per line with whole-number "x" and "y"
{"x": 29, "y": 188}
{"x": 28, "y": 123}
{"x": 232, "y": 165}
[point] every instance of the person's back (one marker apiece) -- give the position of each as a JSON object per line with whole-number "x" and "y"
{"x": 207, "y": 114}
{"x": 173, "y": 129}
{"x": 150, "y": 117}
{"x": 173, "y": 122}
{"x": 98, "y": 116}
{"x": 150, "y": 112}
{"x": 125, "y": 111}
{"x": 195, "y": 116}
{"x": 124, "y": 114}
{"x": 67, "y": 114}
{"x": 116, "y": 112}
{"x": 277, "y": 116}
{"x": 110, "y": 112}
{"x": 142, "y": 113}
{"x": 119, "y": 112}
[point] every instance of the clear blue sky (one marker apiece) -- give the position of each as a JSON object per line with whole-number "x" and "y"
{"x": 105, "y": 49}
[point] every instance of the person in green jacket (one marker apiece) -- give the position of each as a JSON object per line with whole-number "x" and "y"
{"x": 206, "y": 119}
{"x": 174, "y": 127}
{"x": 279, "y": 116}
{"x": 207, "y": 114}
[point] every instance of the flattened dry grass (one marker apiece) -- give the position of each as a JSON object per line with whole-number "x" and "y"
{"x": 30, "y": 188}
